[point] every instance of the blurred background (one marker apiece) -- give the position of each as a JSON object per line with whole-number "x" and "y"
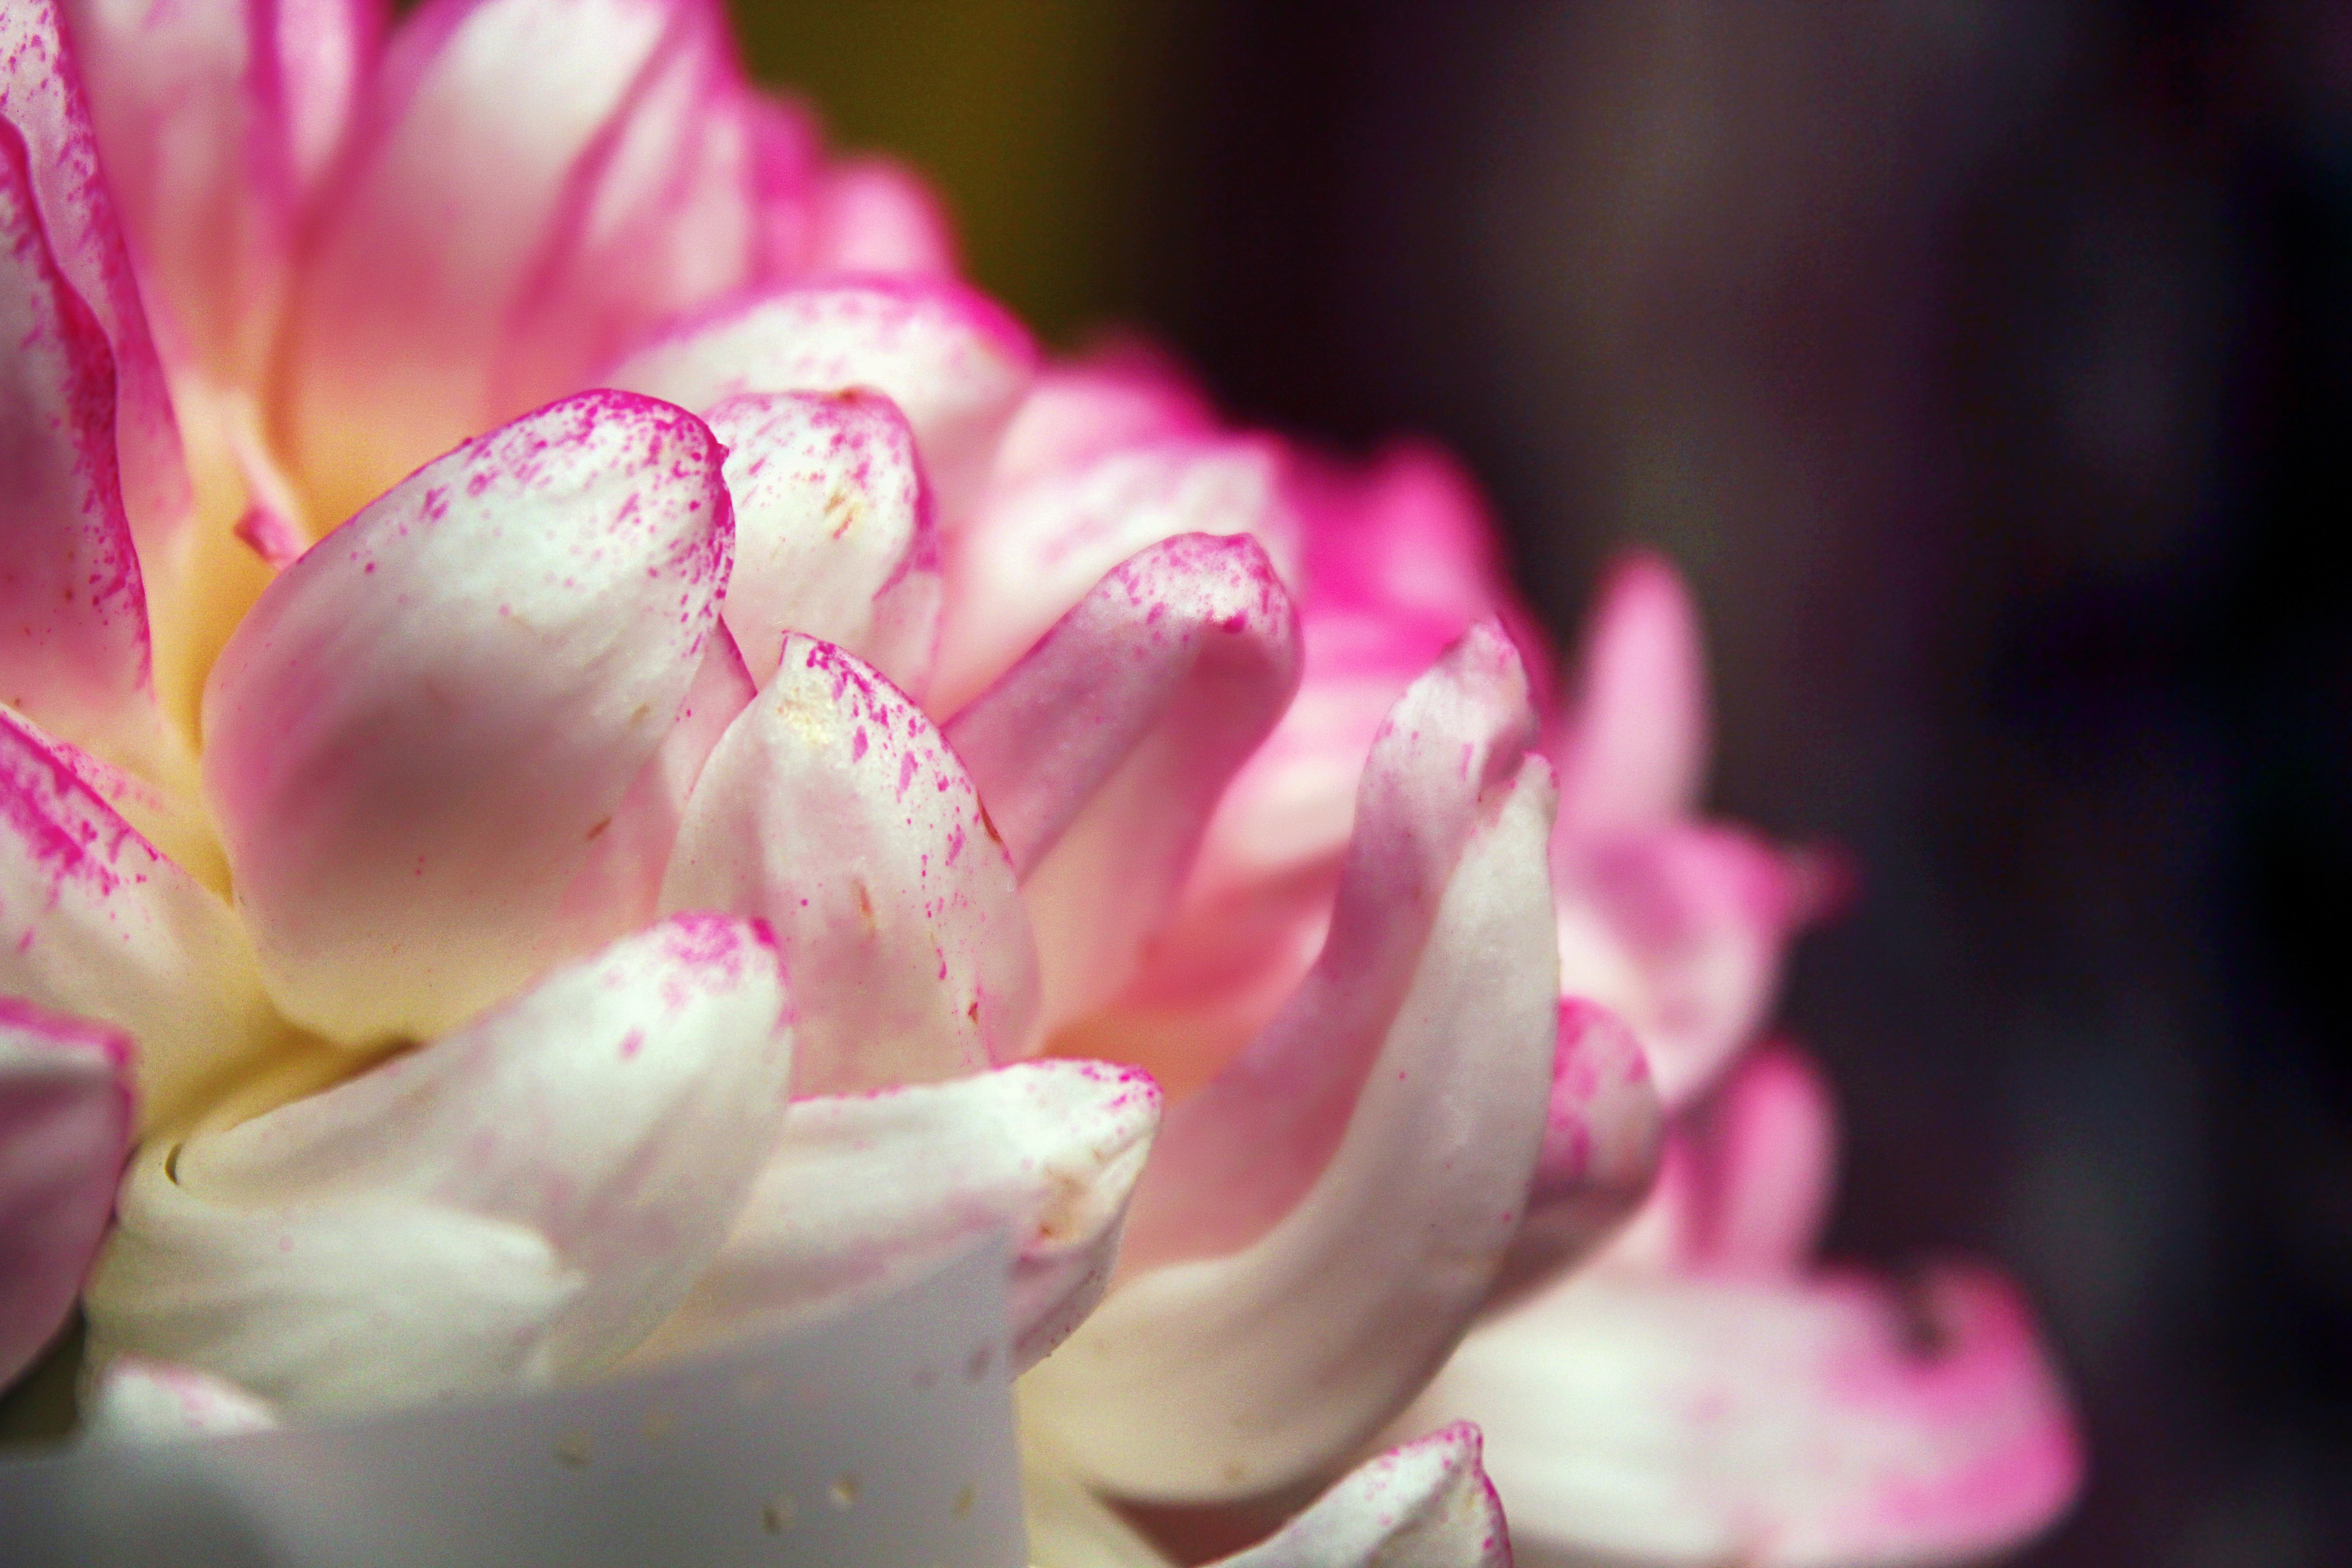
{"x": 1989, "y": 369}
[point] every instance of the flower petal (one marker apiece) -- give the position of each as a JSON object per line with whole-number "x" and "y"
{"x": 516, "y": 1204}
{"x": 833, "y": 531}
{"x": 1127, "y": 395}
{"x": 1425, "y": 1504}
{"x": 499, "y": 177}
{"x": 415, "y": 736}
{"x": 41, "y": 96}
{"x": 877, "y": 215}
{"x": 73, "y": 609}
{"x": 1679, "y": 931}
{"x": 135, "y": 1399}
{"x": 834, "y": 810}
{"x": 65, "y": 1125}
{"x": 1786, "y": 1423}
{"x": 953, "y": 362}
{"x": 94, "y": 922}
{"x": 1635, "y": 751}
{"x": 1321, "y": 1221}
{"x": 1035, "y": 551}
{"x": 1103, "y": 752}
{"x": 864, "y": 1191}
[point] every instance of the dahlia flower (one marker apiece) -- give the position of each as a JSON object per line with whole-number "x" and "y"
{"x": 596, "y": 758}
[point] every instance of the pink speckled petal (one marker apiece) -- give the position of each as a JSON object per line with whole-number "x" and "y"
{"x": 833, "y": 531}
{"x": 1425, "y": 1504}
{"x": 1102, "y": 753}
{"x": 135, "y": 1399}
{"x": 877, "y": 215}
{"x": 1601, "y": 1146}
{"x": 1779, "y": 1423}
{"x": 1321, "y": 1221}
{"x": 1033, "y": 551}
{"x": 418, "y": 733}
{"x": 73, "y": 610}
{"x": 518, "y": 1203}
{"x": 953, "y": 362}
{"x": 1749, "y": 1175}
{"x": 65, "y": 1126}
{"x": 865, "y": 1191}
{"x": 41, "y": 96}
{"x": 215, "y": 118}
{"x": 528, "y": 185}
{"x": 834, "y": 810}
{"x": 1635, "y": 750}
{"x": 1679, "y": 931}
{"x": 94, "y": 921}
{"x": 1123, "y": 395}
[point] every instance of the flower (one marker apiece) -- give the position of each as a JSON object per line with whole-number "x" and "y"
{"x": 578, "y": 712}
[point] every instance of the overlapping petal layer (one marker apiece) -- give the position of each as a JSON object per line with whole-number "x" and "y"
{"x": 519, "y": 1200}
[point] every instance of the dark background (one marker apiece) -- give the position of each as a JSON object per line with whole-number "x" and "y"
{"x": 1986, "y": 369}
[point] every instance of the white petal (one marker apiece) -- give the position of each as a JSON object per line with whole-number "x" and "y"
{"x": 833, "y": 810}
{"x": 518, "y": 1203}
{"x": 414, "y": 738}
{"x": 136, "y": 1400}
{"x": 864, "y": 1191}
{"x": 1425, "y": 1504}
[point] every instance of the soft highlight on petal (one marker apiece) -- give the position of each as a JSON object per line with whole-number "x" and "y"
{"x": 834, "y": 810}
{"x": 135, "y": 1399}
{"x": 415, "y": 737}
{"x": 518, "y": 1203}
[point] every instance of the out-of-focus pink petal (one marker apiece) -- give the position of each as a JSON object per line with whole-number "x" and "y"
{"x": 1322, "y": 1221}
{"x": 215, "y": 118}
{"x": 520, "y": 178}
{"x": 877, "y": 215}
{"x": 135, "y": 1399}
{"x": 1124, "y": 394}
{"x": 1749, "y": 1175}
{"x": 1408, "y": 541}
{"x": 787, "y": 163}
{"x": 1634, "y": 753}
{"x": 1035, "y": 551}
{"x": 1679, "y": 931}
{"x": 1425, "y": 1504}
{"x": 833, "y": 531}
{"x": 953, "y": 362}
{"x": 834, "y": 810}
{"x": 1102, "y": 753}
{"x": 418, "y": 733}
{"x": 65, "y": 1126}
{"x": 93, "y": 922}
{"x": 41, "y": 96}
{"x": 1784, "y": 1424}
{"x": 73, "y": 610}
{"x": 865, "y": 1191}
{"x": 518, "y": 1203}
{"x": 1601, "y": 1147}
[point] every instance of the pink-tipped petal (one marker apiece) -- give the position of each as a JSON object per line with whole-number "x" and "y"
{"x": 135, "y": 1399}
{"x": 1338, "y": 1201}
{"x": 1425, "y": 1504}
{"x": 94, "y": 921}
{"x": 1679, "y": 931}
{"x": 41, "y": 96}
{"x": 954, "y": 363}
{"x": 518, "y": 1203}
{"x": 1823, "y": 1424}
{"x": 1034, "y": 552}
{"x": 418, "y": 733}
{"x": 1635, "y": 751}
{"x": 65, "y": 1126}
{"x": 1601, "y": 1146}
{"x": 877, "y": 215}
{"x": 73, "y": 610}
{"x": 833, "y": 531}
{"x": 864, "y": 1190}
{"x": 506, "y": 167}
{"x": 1103, "y": 752}
{"x": 834, "y": 810}
{"x": 1123, "y": 395}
